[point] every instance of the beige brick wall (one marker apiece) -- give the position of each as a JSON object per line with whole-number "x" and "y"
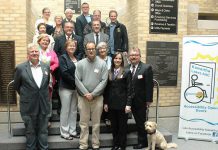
{"x": 13, "y": 27}
{"x": 200, "y": 6}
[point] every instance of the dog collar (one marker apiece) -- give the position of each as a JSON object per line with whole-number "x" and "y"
{"x": 150, "y": 133}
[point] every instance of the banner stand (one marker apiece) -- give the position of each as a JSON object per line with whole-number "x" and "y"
{"x": 199, "y": 89}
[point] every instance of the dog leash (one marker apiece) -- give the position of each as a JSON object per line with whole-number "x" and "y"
{"x": 147, "y": 113}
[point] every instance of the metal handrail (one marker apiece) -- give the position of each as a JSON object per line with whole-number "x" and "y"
{"x": 157, "y": 101}
{"x": 9, "y": 111}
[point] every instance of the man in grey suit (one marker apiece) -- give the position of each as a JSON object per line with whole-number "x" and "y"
{"x": 96, "y": 36}
{"x": 31, "y": 81}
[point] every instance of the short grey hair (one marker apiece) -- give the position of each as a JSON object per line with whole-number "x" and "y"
{"x": 68, "y": 10}
{"x": 30, "y": 46}
{"x": 135, "y": 49}
{"x": 101, "y": 45}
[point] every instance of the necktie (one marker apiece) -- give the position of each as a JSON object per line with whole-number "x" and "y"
{"x": 116, "y": 72}
{"x": 68, "y": 37}
{"x": 96, "y": 42}
{"x": 133, "y": 71}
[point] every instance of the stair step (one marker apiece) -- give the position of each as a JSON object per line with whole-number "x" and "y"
{"x": 56, "y": 142}
{"x": 54, "y": 104}
{"x": 18, "y": 128}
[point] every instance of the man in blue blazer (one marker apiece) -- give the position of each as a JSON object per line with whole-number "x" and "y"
{"x": 83, "y": 19}
{"x": 142, "y": 82}
{"x": 31, "y": 81}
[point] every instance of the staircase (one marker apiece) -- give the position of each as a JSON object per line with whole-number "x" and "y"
{"x": 17, "y": 141}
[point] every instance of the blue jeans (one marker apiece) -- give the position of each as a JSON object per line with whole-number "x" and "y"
{"x": 36, "y": 131}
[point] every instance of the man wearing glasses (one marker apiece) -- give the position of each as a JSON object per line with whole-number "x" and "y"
{"x": 142, "y": 82}
{"x": 83, "y": 19}
{"x": 90, "y": 78}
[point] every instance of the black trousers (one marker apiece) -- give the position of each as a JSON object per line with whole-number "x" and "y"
{"x": 140, "y": 118}
{"x": 36, "y": 130}
{"x": 119, "y": 127}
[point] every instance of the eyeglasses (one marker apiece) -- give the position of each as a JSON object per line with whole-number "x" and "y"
{"x": 47, "y": 12}
{"x": 134, "y": 55}
{"x": 90, "y": 49}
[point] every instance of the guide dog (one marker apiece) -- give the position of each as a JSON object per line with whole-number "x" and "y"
{"x": 155, "y": 138}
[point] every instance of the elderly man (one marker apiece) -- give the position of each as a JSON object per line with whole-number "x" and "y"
{"x": 90, "y": 78}
{"x": 96, "y": 36}
{"x": 31, "y": 81}
{"x": 59, "y": 46}
{"x": 69, "y": 17}
{"x": 142, "y": 81}
{"x": 83, "y": 19}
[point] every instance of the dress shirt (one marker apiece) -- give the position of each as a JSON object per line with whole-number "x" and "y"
{"x": 111, "y": 40}
{"x": 68, "y": 37}
{"x": 116, "y": 72}
{"x": 37, "y": 73}
{"x": 88, "y": 18}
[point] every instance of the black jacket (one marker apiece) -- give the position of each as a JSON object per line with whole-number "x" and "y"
{"x": 142, "y": 83}
{"x": 67, "y": 72}
{"x": 81, "y": 22}
{"x": 60, "y": 43}
{"x": 120, "y": 37}
{"x": 119, "y": 92}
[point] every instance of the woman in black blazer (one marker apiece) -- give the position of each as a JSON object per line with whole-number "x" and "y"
{"x": 67, "y": 92}
{"x": 118, "y": 96}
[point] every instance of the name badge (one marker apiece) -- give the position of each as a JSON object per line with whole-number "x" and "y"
{"x": 121, "y": 76}
{"x": 96, "y": 70}
{"x": 140, "y": 76}
{"x": 46, "y": 73}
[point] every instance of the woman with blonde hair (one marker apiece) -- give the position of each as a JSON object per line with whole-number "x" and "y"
{"x": 67, "y": 92}
{"x": 49, "y": 57}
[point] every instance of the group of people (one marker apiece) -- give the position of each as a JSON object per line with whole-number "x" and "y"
{"x": 89, "y": 62}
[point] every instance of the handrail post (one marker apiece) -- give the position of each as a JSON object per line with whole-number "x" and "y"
{"x": 9, "y": 111}
{"x": 157, "y": 100}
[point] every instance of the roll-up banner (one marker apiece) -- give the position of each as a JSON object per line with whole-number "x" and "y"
{"x": 199, "y": 91}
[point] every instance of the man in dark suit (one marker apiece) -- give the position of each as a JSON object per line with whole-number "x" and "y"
{"x": 59, "y": 46}
{"x": 96, "y": 36}
{"x": 142, "y": 81}
{"x": 83, "y": 19}
{"x": 31, "y": 81}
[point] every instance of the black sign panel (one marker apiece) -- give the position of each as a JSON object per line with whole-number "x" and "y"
{"x": 7, "y": 51}
{"x": 163, "y": 56}
{"x": 163, "y": 16}
{"x": 74, "y": 5}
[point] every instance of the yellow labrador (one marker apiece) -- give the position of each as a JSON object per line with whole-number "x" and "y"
{"x": 155, "y": 138}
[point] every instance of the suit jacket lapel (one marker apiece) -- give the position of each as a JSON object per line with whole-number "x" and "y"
{"x": 137, "y": 70}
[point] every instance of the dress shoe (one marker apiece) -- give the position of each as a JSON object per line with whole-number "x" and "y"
{"x": 77, "y": 136}
{"x": 121, "y": 148}
{"x": 114, "y": 148}
{"x": 139, "y": 146}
